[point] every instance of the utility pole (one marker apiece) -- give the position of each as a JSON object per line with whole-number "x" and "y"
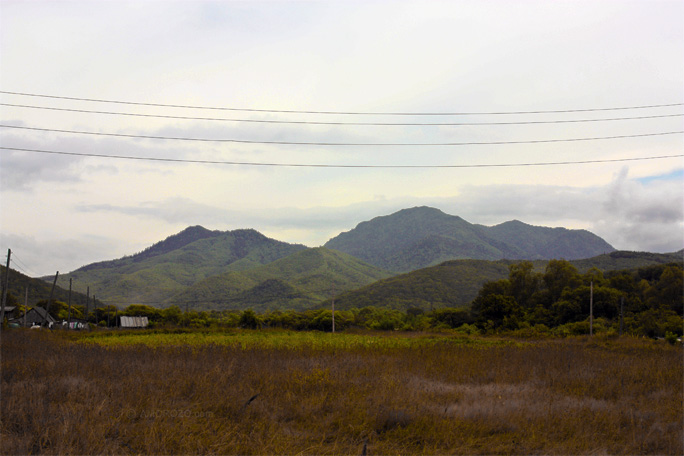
{"x": 4, "y": 290}
{"x": 25, "y": 305}
{"x": 591, "y": 308}
{"x": 333, "y": 314}
{"x": 622, "y": 314}
{"x": 87, "y": 302}
{"x": 52, "y": 291}
{"x": 69, "y": 305}
{"x": 333, "y": 308}
{"x": 2, "y": 304}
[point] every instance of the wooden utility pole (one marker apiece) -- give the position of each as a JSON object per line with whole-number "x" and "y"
{"x": 52, "y": 292}
{"x": 25, "y": 305}
{"x": 4, "y": 290}
{"x": 591, "y": 308}
{"x": 333, "y": 313}
{"x": 69, "y": 305}
{"x": 622, "y": 314}
{"x": 333, "y": 308}
{"x": 87, "y": 302}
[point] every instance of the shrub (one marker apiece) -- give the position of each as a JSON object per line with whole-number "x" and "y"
{"x": 671, "y": 338}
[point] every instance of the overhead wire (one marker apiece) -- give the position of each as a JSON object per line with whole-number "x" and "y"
{"x": 302, "y": 143}
{"x": 17, "y": 266}
{"x": 310, "y": 122}
{"x": 356, "y": 113}
{"x": 321, "y": 165}
{"x": 14, "y": 259}
{"x": 315, "y": 143}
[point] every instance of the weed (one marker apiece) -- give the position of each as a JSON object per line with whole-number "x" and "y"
{"x": 279, "y": 392}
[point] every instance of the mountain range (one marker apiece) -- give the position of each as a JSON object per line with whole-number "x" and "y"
{"x": 243, "y": 268}
{"x": 423, "y": 236}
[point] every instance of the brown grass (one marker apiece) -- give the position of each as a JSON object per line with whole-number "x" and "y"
{"x": 571, "y": 396}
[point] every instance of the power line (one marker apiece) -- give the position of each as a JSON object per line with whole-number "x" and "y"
{"x": 287, "y": 111}
{"x": 16, "y": 265}
{"x": 19, "y": 263}
{"x": 319, "y": 165}
{"x": 299, "y": 143}
{"x": 306, "y": 122}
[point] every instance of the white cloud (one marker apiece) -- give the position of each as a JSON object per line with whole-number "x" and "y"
{"x": 403, "y": 56}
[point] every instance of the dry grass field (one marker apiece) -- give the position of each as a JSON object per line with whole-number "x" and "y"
{"x": 314, "y": 393}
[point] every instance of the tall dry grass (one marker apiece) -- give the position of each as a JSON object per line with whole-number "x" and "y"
{"x": 571, "y": 396}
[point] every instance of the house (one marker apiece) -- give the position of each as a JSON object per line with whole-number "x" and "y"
{"x": 35, "y": 316}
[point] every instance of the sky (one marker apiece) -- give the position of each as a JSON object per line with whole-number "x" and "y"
{"x": 329, "y": 76}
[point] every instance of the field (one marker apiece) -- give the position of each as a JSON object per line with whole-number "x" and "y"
{"x": 278, "y": 392}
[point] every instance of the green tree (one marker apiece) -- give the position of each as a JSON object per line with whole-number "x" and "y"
{"x": 560, "y": 275}
{"x": 141, "y": 310}
{"x": 172, "y": 315}
{"x": 667, "y": 290}
{"x": 524, "y": 282}
{"x": 497, "y": 309}
{"x": 249, "y": 319}
{"x": 451, "y": 317}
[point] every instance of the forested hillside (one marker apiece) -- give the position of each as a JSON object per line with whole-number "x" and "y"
{"x": 422, "y": 236}
{"x": 168, "y": 267}
{"x": 298, "y": 281}
{"x": 38, "y": 290}
{"x": 456, "y": 283}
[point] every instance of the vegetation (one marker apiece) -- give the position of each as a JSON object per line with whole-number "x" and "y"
{"x": 457, "y": 283}
{"x": 561, "y": 297}
{"x": 38, "y": 290}
{"x": 422, "y": 236}
{"x": 298, "y": 281}
{"x": 450, "y": 284}
{"x": 506, "y": 296}
{"x": 167, "y": 268}
{"x": 266, "y": 392}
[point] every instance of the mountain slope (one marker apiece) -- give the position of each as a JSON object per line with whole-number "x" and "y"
{"x": 39, "y": 290}
{"x": 456, "y": 283}
{"x": 539, "y": 242}
{"x": 297, "y": 281}
{"x": 450, "y": 284}
{"x": 180, "y": 261}
{"x": 422, "y": 236}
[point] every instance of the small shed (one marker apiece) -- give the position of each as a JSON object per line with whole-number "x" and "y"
{"x": 134, "y": 322}
{"x": 10, "y": 311}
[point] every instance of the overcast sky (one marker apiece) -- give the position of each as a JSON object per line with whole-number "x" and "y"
{"x": 60, "y": 212}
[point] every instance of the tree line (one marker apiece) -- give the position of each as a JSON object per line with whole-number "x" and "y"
{"x": 648, "y": 301}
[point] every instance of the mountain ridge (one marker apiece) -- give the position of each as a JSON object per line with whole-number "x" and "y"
{"x": 299, "y": 280}
{"x": 422, "y": 236}
{"x": 407, "y": 240}
{"x": 178, "y": 262}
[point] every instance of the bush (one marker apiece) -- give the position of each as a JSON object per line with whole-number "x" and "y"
{"x": 465, "y": 328}
{"x": 671, "y": 338}
{"x": 249, "y": 320}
